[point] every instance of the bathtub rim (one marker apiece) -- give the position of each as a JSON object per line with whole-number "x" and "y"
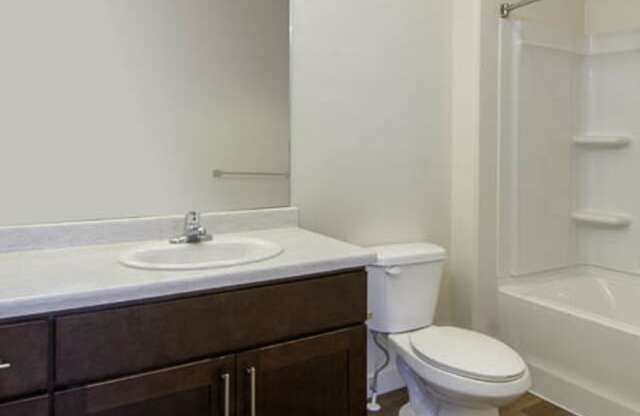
{"x": 515, "y": 286}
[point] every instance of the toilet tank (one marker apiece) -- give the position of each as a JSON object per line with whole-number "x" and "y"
{"x": 404, "y": 285}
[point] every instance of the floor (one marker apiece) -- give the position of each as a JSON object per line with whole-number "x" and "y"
{"x": 528, "y": 405}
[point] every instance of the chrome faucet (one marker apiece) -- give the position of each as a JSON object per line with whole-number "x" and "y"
{"x": 194, "y": 232}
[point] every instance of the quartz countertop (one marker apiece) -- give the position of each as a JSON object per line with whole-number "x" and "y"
{"x": 45, "y": 281}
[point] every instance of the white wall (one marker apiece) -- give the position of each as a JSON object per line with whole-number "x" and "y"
{"x": 607, "y": 16}
{"x": 371, "y": 119}
{"x": 115, "y": 108}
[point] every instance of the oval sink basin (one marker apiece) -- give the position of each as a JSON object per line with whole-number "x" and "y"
{"x": 220, "y": 252}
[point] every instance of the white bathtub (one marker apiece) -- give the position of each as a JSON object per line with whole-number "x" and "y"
{"x": 579, "y": 331}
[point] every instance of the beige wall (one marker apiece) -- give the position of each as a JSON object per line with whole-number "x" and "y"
{"x": 371, "y": 99}
{"x": 607, "y": 16}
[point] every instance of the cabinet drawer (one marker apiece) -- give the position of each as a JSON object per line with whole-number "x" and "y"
{"x": 104, "y": 344}
{"x": 37, "y": 406}
{"x": 23, "y": 358}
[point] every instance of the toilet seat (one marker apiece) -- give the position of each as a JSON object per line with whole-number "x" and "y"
{"x": 453, "y": 387}
{"x": 467, "y": 354}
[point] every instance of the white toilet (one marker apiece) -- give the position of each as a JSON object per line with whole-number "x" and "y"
{"x": 448, "y": 371}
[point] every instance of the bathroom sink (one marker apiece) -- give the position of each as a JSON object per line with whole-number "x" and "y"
{"x": 220, "y": 252}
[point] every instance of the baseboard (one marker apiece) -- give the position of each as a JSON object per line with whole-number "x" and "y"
{"x": 389, "y": 380}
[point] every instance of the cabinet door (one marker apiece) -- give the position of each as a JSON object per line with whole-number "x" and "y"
{"x": 37, "y": 406}
{"x": 203, "y": 388}
{"x": 317, "y": 376}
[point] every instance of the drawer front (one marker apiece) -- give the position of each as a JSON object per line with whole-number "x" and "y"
{"x": 38, "y": 406}
{"x": 24, "y": 350}
{"x": 103, "y": 344}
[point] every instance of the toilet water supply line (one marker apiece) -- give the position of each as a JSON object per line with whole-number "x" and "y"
{"x": 373, "y": 405}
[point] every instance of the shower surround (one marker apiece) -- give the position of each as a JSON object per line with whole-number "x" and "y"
{"x": 569, "y": 214}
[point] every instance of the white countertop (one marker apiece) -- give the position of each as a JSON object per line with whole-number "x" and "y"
{"x": 43, "y": 281}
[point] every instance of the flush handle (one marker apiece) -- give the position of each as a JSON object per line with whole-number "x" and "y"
{"x": 393, "y": 271}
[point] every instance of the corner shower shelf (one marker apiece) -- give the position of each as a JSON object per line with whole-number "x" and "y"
{"x": 602, "y": 141}
{"x": 610, "y": 219}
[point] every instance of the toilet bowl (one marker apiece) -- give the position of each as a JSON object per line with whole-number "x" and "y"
{"x": 474, "y": 378}
{"x": 448, "y": 371}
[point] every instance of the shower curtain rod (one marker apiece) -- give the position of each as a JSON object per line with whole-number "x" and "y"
{"x": 507, "y": 8}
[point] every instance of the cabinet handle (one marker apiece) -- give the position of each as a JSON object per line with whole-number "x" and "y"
{"x": 252, "y": 374}
{"x": 226, "y": 379}
{"x": 4, "y": 366}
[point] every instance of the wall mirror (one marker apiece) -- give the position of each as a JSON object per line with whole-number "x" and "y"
{"x": 126, "y": 108}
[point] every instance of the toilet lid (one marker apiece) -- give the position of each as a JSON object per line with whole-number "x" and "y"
{"x": 467, "y": 354}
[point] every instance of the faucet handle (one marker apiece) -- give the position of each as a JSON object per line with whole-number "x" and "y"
{"x": 194, "y": 231}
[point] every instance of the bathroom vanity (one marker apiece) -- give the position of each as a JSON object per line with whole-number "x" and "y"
{"x": 296, "y": 347}
{"x": 281, "y": 337}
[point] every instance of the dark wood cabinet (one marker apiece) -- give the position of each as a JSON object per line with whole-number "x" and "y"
{"x": 36, "y": 406}
{"x": 292, "y": 348}
{"x": 24, "y": 358}
{"x": 203, "y": 388}
{"x": 318, "y": 376}
{"x": 171, "y": 332}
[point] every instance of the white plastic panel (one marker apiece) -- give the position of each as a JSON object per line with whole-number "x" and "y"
{"x": 607, "y": 179}
{"x": 602, "y": 218}
{"x": 604, "y": 141}
{"x": 569, "y": 157}
{"x": 538, "y": 138}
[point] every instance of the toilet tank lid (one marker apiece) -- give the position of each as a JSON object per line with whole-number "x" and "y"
{"x": 409, "y": 253}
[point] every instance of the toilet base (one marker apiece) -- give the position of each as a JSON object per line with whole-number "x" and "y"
{"x": 406, "y": 410}
{"x": 451, "y": 411}
{"x": 427, "y": 403}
